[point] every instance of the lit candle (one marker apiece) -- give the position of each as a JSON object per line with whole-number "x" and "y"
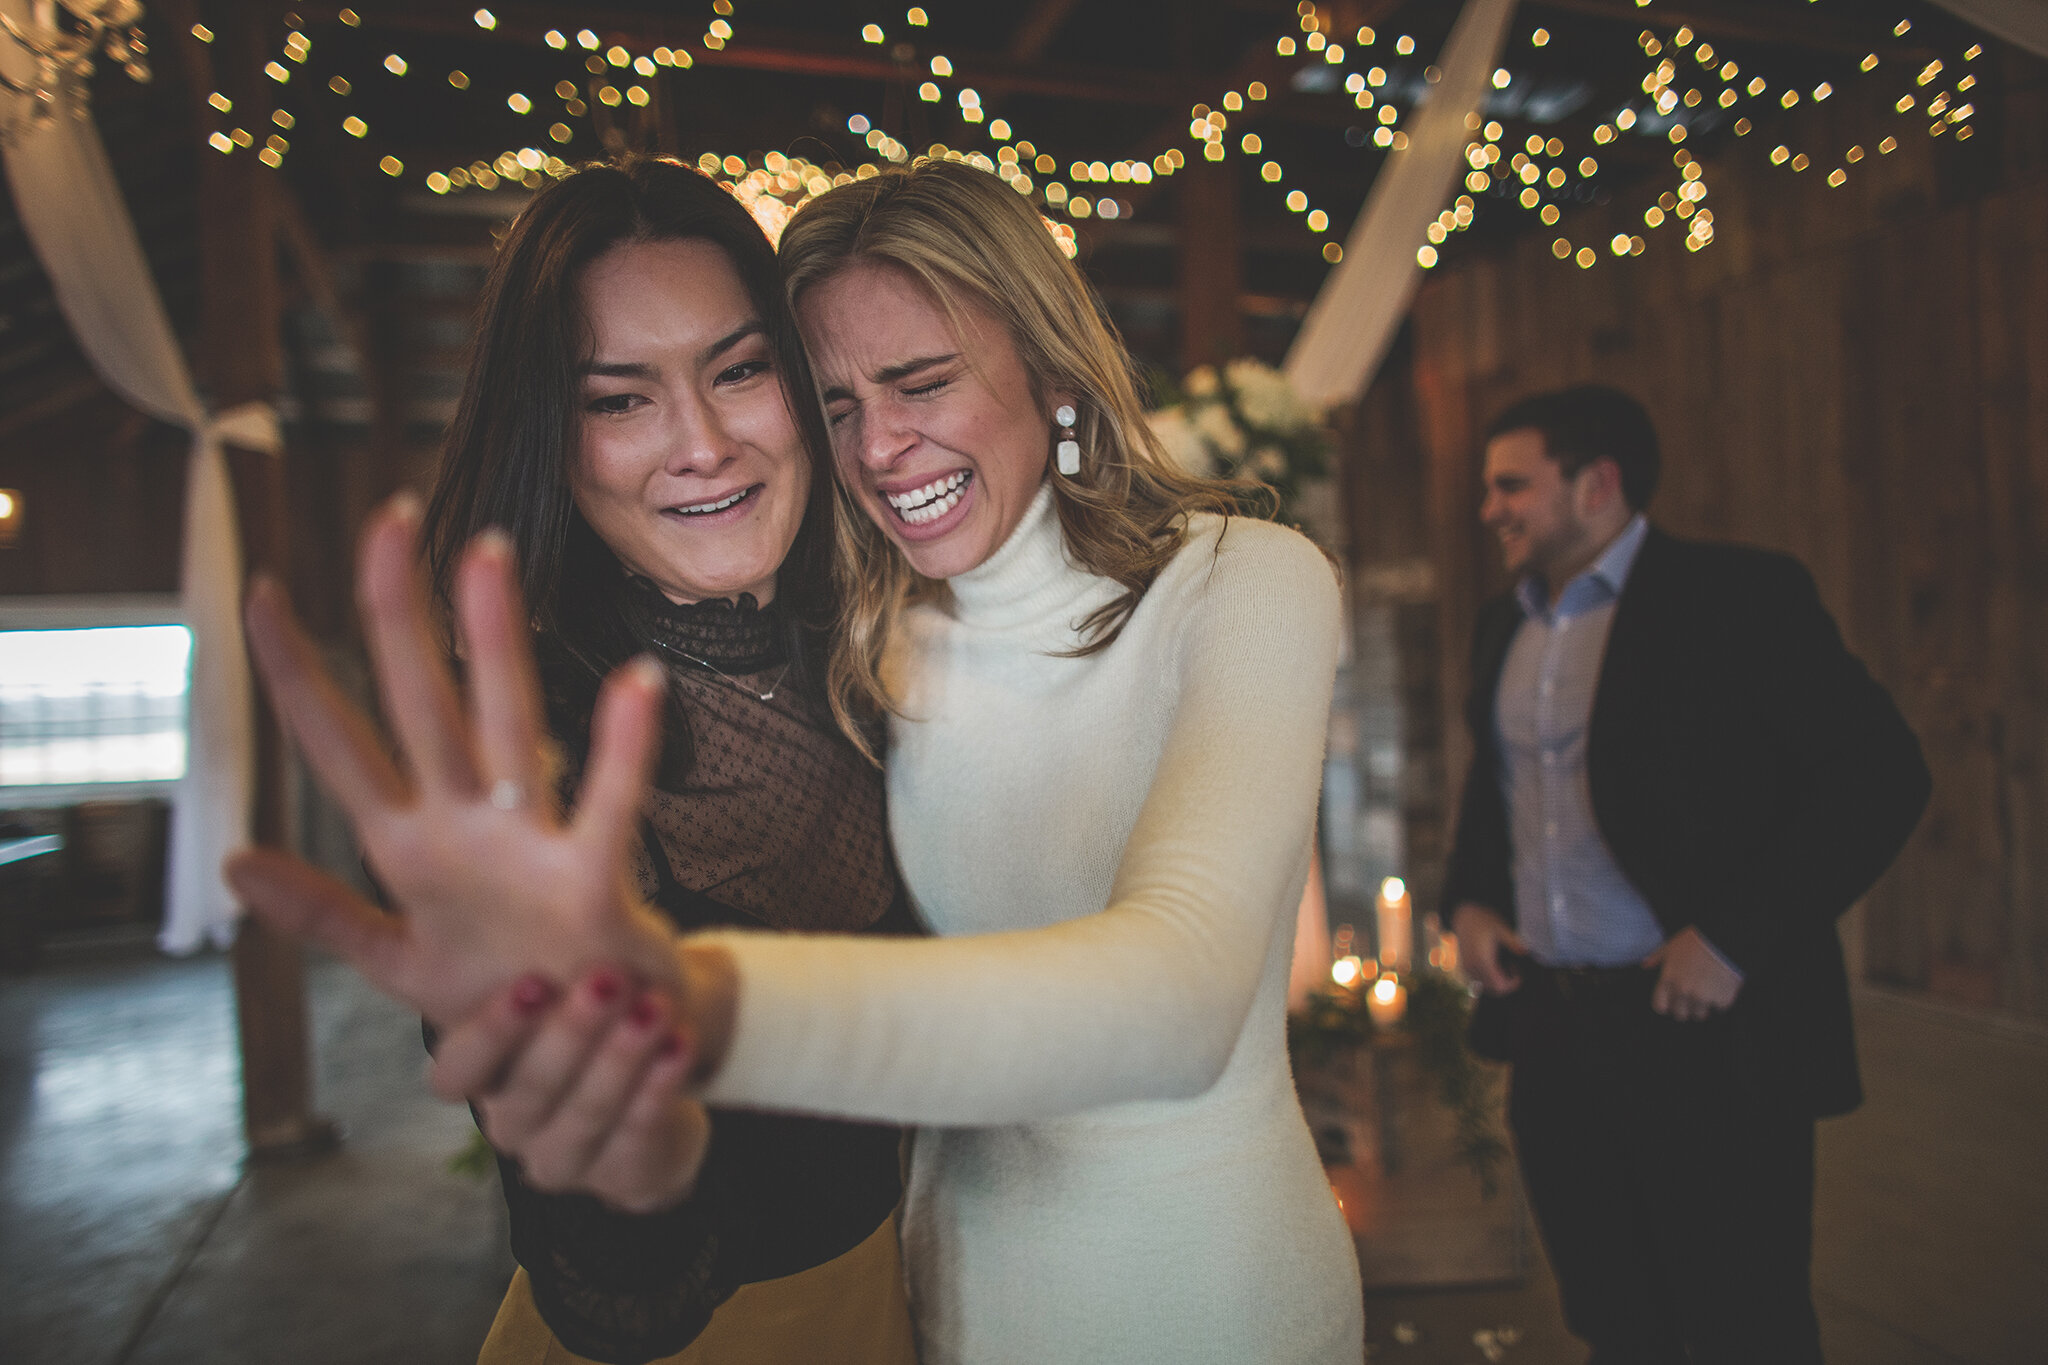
{"x": 1396, "y": 925}
{"x": 1387, "y": 1001}
{"x": 1347, "y": 972}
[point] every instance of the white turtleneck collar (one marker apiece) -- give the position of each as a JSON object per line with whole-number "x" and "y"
{"x": 1029, "y": 578}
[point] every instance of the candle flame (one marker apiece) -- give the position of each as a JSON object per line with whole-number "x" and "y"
{"x": 1383, "y": 990}
{"x": 1393, "y": 889}
{"x": 1346, "y": 971}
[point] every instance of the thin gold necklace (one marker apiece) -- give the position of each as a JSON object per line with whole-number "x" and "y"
{"x": 727, "y": 678}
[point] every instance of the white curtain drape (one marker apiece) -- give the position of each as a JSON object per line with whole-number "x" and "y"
{"x": 73, "y": 213}
{"x": 1354, "y": 317}
{"x": 2023, "y": 23}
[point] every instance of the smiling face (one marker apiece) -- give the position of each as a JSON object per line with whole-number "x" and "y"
{"x": 689, "y": 464}
{"x": 936, "y": 431}
{"x": 1549, "y": 523}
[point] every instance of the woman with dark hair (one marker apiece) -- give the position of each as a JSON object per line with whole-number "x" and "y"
{"x": 637, "y": 439}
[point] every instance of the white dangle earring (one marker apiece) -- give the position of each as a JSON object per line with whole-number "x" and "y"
{"x": 1069, "y": 448}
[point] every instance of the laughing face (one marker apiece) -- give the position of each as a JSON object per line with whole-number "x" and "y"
{"x": 935, "y": 430}
{"x": 1549, "y": 523}
{"x": 689, "y": 465}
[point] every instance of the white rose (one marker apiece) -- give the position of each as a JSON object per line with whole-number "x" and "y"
{"x": 1200, "y": 382}
{"x": 1265, "y": 397}
{"x": 1184, "y": 447}
{"x": 1220, "y": 430}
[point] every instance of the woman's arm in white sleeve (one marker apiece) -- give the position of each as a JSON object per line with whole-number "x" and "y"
{"x": 1144, "y": 1000}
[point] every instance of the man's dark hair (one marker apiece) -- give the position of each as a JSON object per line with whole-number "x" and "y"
{"x": 1591, "y": 422}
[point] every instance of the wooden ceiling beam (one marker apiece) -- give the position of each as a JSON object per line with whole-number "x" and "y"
{"x": 1039, "y": 26}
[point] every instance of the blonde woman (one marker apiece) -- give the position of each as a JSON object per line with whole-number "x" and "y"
{"x": 1105, "y": 701}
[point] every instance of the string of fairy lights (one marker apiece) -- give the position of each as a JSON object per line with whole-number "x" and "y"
{"x": 1690, "y": 84}
{"x": 1666, "y": 93}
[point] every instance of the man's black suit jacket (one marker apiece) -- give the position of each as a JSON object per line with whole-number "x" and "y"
{"x": 1751, "y": 779}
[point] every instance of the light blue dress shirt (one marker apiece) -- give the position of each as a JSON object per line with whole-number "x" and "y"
{"x": 1574, "y": 906}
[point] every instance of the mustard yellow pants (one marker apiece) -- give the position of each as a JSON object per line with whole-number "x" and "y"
{"x": 848, "y": 1311}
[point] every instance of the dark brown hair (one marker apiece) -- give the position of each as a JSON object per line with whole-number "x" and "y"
{"x": 1591, "y": 422}
{"x": 507, "y": 456}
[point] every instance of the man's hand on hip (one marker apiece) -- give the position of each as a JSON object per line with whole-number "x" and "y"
{"x": 1693, "y": 980}
{"x": 1482, "y": 934}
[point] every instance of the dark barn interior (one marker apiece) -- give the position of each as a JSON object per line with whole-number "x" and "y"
{"x": 1807, "y": 233}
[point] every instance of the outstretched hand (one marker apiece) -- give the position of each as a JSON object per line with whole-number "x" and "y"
{"x": 489, "y": 880}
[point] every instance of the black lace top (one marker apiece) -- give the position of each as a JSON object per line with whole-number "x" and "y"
{"x": 776, "y": 821}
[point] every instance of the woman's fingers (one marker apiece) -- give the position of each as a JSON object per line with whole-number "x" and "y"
{"x": 420, "y": 700}
{"x": 336, "y": 738}
{"x": 654, "y": 1154}
{"x": 566, "y": 1151}
{"x": 472, "y": 1057}
{"x": 504, "y": 685}
{"x": 305, "y": 902}
{"x": 545, "y": 1071}
{"x": 623, "y": 733}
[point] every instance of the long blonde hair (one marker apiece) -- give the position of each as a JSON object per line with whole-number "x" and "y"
{"x": 967, "y": 237}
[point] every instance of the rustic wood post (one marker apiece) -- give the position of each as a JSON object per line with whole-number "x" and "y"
{"x": 1211, "y": 264}
{"x": 240, "y": 359}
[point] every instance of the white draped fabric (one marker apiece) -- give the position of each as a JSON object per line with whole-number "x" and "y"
{"x": 1353, "y": 319}
{"x": 2023, "y": 23}
{"x": 75, "y": 218}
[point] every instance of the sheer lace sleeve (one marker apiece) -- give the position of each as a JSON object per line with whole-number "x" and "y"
{"x": 615, "y": 1287}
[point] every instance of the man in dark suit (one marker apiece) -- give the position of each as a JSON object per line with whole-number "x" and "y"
{"x": 1680, "y": 780}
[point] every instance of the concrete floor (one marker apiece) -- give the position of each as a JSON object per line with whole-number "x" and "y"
{"x": 131, "y": 1230}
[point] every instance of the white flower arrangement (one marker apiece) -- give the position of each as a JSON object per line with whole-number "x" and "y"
{"x": 1243, "y": 421}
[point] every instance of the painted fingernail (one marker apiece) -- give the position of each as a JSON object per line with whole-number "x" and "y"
{"x": 605, "y": 986}
{"x": 532, "y": 994}
{"x": 642, "y": 1014}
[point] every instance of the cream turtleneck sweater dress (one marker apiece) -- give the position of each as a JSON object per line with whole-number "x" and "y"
{"x": 1111, "y": 1164}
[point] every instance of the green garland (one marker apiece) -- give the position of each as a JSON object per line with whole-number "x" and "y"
{"x": 1439, "y": 1009}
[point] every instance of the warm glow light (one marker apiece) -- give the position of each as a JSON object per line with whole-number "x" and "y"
{"x": 1345, "y": 971}
{"x": 1384, "y": 989}
{"x": 485, "y": 19}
